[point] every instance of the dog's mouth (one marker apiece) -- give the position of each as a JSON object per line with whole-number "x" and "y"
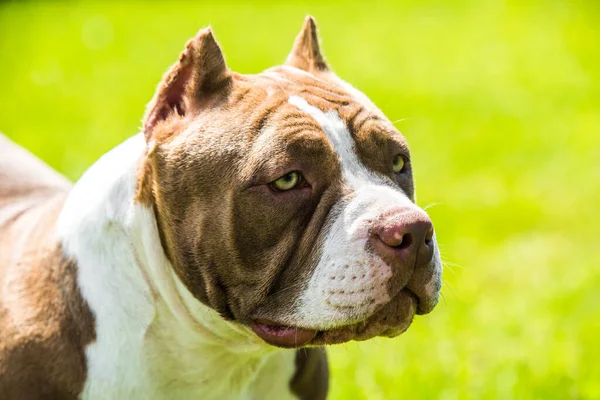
{"x": 391, "y": 320}
{"x": 283, "y": 336}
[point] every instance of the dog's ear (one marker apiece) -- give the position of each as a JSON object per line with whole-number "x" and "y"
{"x": 199, "y": 74}
{"x": 306, "y": 53}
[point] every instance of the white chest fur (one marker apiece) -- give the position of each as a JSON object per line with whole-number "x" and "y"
{"x": 154, "y": 340}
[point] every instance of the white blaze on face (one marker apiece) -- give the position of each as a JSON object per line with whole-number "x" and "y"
{"x": 349, "y": 282}
{"x": 354, "y": 172}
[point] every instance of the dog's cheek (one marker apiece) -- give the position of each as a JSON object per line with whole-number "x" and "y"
{"x": 263, "y": 221}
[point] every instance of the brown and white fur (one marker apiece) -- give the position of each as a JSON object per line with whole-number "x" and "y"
{"x": 171, "y": 267}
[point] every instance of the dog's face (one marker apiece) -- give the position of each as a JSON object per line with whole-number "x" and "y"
{"x": 285, "y": 200}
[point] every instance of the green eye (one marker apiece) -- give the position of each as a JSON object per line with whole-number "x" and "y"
{"x": 287, "y": 182}
{"x": 399, "y": 163}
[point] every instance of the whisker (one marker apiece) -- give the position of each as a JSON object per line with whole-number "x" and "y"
{"x": 447, "y": 284}
{"x": 289, "y": 287}
{"x": 400, "y": 120}
{"x": 428, "y": 206}
{"x": 448, "y": 263}
{"x": 449, "y": 268}
{"x": 444, "y": 298}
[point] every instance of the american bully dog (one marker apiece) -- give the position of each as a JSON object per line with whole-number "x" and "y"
{"x": 254, "y": 220}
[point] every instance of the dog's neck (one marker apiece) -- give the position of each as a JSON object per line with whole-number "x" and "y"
{"x": 145, "y": 317}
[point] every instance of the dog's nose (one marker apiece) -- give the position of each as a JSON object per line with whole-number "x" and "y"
{"x": 403, "y": 239}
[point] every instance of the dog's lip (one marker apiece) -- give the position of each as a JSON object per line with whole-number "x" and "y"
{"x": 288, "y": 336}
{"x": 282, "y": 335}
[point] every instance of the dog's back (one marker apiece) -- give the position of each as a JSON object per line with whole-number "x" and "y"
{"x": 31, "y": 195}
{"x": 26, "y": 183}
{"x": 41, "y": 345}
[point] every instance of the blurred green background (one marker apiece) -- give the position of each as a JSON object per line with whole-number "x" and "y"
{"x": 500, "y": 102}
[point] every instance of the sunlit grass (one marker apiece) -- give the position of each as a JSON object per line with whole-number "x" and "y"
{"x": 500, "y": 102}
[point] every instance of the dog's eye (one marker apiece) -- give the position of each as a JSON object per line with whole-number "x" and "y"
{"x": 399, "y": 163}
{"x": 287, "y": 182}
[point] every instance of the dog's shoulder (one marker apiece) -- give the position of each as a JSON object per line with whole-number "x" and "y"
{"x": 41, "y": 340}
{"x": 45, "y": 323}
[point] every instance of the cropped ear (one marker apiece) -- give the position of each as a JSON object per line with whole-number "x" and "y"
{"x": 306, "y": 54}
{"x": 200, "y": 73}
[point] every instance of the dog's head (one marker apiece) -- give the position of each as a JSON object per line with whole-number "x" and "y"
{"x": 285, "y": 200}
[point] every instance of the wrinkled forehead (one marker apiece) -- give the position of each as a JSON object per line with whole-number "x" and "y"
{"x": 303, "y": 108}
{"x": 325, "y": 92}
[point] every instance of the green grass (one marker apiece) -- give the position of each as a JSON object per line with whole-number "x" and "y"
{"x": 502, "y": 108}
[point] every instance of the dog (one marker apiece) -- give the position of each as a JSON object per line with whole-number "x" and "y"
{"x": 254, "y": 220}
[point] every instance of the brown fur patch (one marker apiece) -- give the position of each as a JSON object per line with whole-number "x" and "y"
{"x": 311, "y": 380}
{"x": 44, "y": 322}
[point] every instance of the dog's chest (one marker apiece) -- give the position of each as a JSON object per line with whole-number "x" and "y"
{"x": 169, "y": 365}
{"x": 181, "y": 365}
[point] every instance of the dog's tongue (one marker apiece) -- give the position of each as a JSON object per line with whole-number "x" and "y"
{"x": 283, "y": 336}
